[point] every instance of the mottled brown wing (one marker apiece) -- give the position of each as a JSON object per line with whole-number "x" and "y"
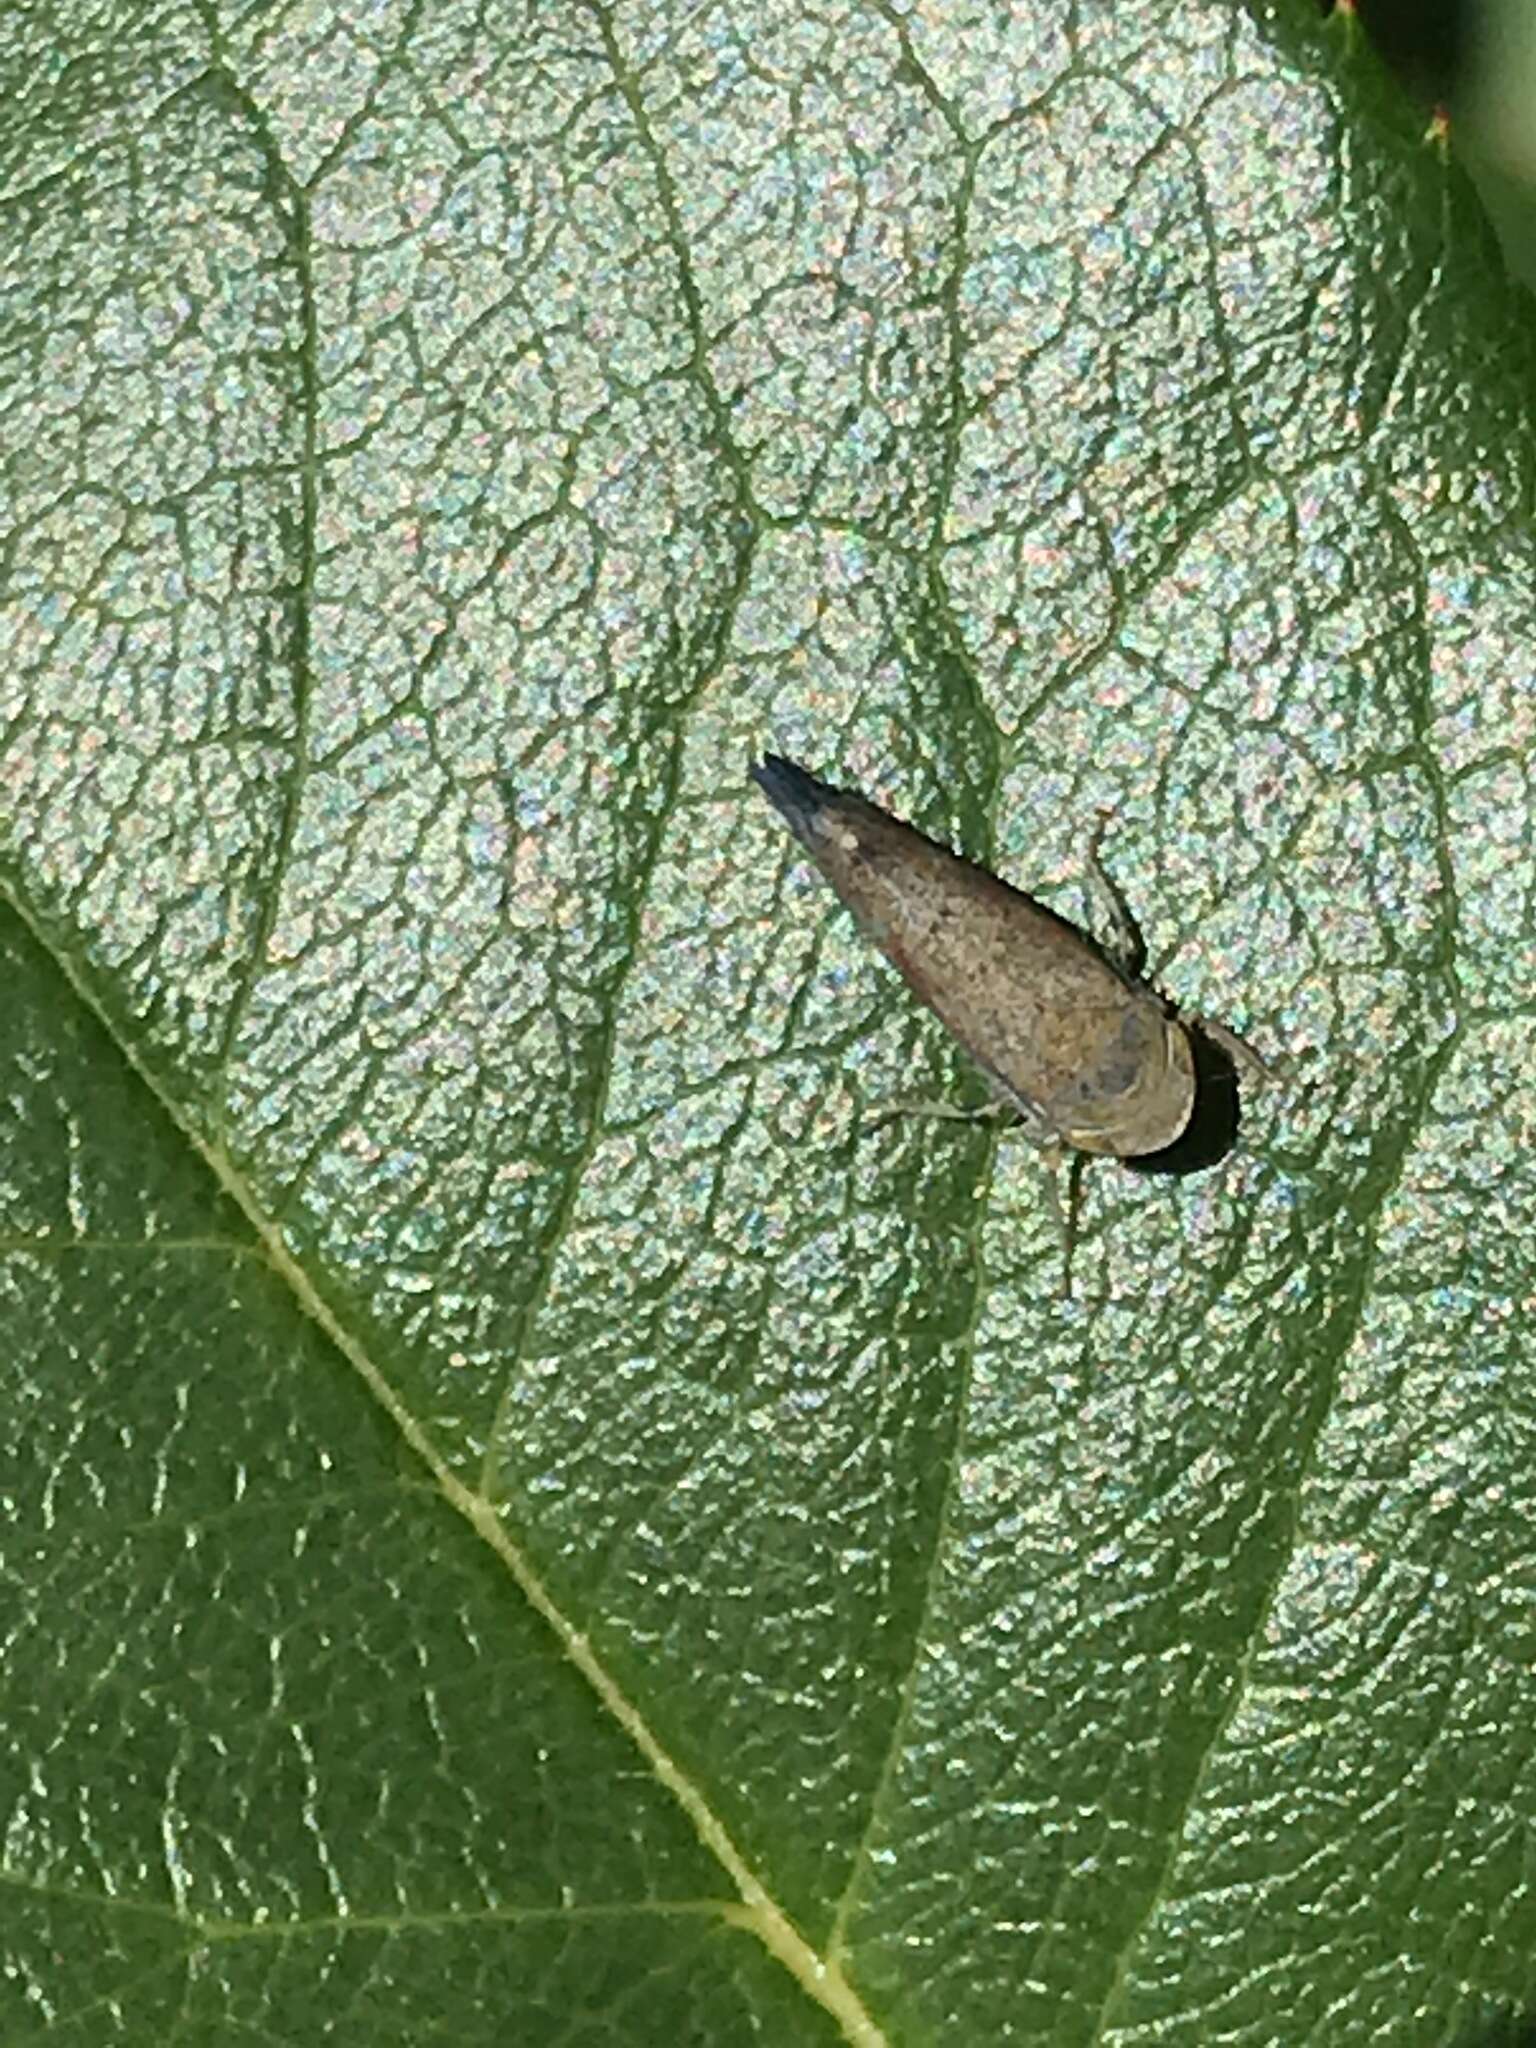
{"x": 1061, "y": 1033}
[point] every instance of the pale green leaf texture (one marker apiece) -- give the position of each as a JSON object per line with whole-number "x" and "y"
{"x": 522, "y": 1523}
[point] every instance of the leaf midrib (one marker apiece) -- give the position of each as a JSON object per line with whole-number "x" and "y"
{"x": 760, "y": 1913}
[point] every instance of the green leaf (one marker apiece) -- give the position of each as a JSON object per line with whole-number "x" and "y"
{"x": 521, "y": 1520}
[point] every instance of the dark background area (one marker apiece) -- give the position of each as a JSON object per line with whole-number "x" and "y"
{"x": 1476, "y": 59}
{"x": 1429, "y": 43}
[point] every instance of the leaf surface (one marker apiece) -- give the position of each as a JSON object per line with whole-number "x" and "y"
{"x": 520, "y": 1514}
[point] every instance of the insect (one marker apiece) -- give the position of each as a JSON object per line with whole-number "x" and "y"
{"x": 1073, "y": 1041}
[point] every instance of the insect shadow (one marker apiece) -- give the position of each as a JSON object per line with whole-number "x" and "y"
{"x": 1213, "y": 1123}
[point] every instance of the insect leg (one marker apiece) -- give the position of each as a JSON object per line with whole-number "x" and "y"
{"x": 1237, "y": 1049}
{"x": 942, "y": 1112}
{"x": 1038, "y": 1133}
{"x": 1069, "y": 1221}
{"x": 1064, "y": 1215}
{"x": 1130, "y": 948}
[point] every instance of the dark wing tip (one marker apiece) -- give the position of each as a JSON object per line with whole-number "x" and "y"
{"x": 794, "y": 793}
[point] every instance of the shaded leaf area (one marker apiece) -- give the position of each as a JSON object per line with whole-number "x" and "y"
{"x": 274, "y": 1732}
{"x": 441, "y": 456}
